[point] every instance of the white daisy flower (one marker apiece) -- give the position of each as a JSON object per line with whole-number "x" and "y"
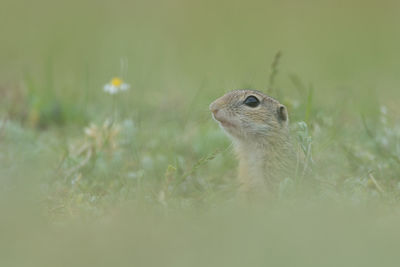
{"x": 115, "y": 86}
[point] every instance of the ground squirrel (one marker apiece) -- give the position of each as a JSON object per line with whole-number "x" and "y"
{"x": 259, "y": 128}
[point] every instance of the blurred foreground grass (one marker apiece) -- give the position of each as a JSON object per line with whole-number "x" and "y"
{"x": 145, "y": 177}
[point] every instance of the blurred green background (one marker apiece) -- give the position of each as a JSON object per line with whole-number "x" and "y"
{"x": 146, "y": 177}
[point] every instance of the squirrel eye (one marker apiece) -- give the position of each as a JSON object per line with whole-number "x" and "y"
{"x": 252, "y": 101}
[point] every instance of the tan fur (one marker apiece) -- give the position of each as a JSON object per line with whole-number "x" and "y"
{"x": 260, "y": 136}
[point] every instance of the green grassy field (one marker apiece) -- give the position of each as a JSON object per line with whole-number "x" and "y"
{"x": 146, "y": 178}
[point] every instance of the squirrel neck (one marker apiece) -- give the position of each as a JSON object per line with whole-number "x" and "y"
{"x": 264, "y": 161}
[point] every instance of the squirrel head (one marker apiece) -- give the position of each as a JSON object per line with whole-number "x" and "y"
{"x": 249, "y": 114}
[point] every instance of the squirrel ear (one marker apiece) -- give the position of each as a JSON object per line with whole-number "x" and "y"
{"x": 282, "y": 113}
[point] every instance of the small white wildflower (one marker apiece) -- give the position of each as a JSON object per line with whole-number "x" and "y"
{"x": 92, "y": 130}
{"x": 115, "y": 86}
{"x": 93, "y": 198}
{"x": 136, "y": 175}
{"x": 76, "y": 179}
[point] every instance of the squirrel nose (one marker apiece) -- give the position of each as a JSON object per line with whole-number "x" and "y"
{"x": 213, "y": 108}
